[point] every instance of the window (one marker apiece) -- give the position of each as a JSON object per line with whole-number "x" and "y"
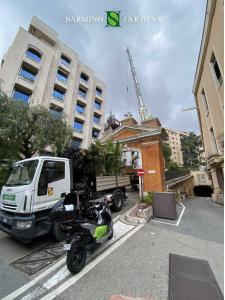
{"x": 62, "y": 76}
{"x": 21, "y": 95}
{"x": 59, "y": 94}
{"x": 216, "y": 69}
{"x": 204, "y": 100}
{"x": 27, "y": 72}
{"x": 22, "y": 173}
{"x": 82, "y": 92}
{"x": 55, "y": 110}
{"x": 84, "y": 77}
{"x": 96, "y": 119}
{"x": 55, "y": 171}
{"x": 78, "y": 125}
{"x": 33, "y": 54}
{"x": 76, "y": 143}
{"x": 65, "y": 60}
{"x": 80, "y": 108}
{"x": 98, "y": 91}
{"x": 95, "y": 133}
{"x": 213, "y": 140}
{"x": 97, "y": 105}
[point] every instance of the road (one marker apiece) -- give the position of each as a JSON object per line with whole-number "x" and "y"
{"x": 137, "y": 263}
{"x": 12, "y": 250}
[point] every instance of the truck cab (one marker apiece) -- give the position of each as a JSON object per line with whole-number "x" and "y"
{"x": 33, "y": 187}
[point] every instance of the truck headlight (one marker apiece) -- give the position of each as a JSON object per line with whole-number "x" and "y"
{"x": 23, "y": 224}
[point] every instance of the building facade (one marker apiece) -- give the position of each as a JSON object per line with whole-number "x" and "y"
{"x": 174, "y": 141}
{"x": 208, "y": 90}
{"x": 145, "y": 140}
{"x": 41, "y": 70}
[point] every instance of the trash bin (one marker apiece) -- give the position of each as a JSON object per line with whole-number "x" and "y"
{"x": 164, "y": 205}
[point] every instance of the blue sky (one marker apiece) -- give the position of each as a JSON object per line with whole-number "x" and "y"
{"x": 165, "y": 52}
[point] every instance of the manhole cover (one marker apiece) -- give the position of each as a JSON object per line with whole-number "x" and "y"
{"x": 34, "y": 262}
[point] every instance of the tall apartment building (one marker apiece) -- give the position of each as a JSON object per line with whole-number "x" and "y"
{"x": 40, "y": 69}
{"x": 174, "y": 141}
{"x": 208, "y": 90}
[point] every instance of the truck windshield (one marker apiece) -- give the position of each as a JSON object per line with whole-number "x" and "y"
{"x": 22, "y": 173}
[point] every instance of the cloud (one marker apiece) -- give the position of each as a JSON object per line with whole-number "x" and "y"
{"x": 165, "y": 53}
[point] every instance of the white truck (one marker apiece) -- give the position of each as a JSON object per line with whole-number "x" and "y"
{"x": 36, "y": 184}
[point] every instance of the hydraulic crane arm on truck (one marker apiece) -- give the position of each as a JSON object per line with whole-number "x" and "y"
{"x": 35, "y": 185}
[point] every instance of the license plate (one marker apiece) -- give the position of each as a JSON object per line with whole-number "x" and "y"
{"x": 66, "y": 247}
{"x": 9, "y": 197}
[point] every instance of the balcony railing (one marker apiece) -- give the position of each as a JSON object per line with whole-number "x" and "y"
{"x": 62, "y": 78}
{"x": 27, "y": 75}
{"x": 58, "y": 95}
{"x": 33, "y": 56}
{"x": 82, "y": 94}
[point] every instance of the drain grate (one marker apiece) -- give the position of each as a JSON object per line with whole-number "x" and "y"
{"x": 34, "y": 262}
{"x": 192, "y": 278}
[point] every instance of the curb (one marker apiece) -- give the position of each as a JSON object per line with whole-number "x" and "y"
{"x": 127, "y": 218}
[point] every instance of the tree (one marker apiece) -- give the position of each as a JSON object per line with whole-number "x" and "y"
{"x": 190, "y": 147}
{"x": 26, "y": 130}
{"x": 167, "y": 154}
{"x": 112, "y": 158}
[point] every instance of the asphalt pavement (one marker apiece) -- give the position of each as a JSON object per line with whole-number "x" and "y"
{"x": 136, "y": 264}
{"x": 139, "y": 267}
{"x": 11, "y": 250}
{"x": 202, "y": 219}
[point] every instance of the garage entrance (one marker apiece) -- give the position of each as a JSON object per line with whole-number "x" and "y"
{"x": 203, "y": 191}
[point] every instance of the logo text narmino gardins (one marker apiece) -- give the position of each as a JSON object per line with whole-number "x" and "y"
{"x": 112, "y": 19}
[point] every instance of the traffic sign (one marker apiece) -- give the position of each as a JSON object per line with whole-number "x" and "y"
{"x": 140, "y": 172}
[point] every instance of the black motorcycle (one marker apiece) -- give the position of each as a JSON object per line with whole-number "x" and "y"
{"x": 88, "y": 227}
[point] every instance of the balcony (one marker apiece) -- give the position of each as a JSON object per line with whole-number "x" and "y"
{"x": 78, "y": 134}
{"x": 80, "y": 115}
{"x": 84, "y": 83}
{"x": 98, "y": 111}
{"x": 25, "y": 83}
{"x": 65, "y": 62}
{"x": 33, "y": 59}
{"x": 82, "y": 99}
{"x": 97, "y": 126}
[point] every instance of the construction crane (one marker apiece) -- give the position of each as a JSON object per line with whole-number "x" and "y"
{"x": 142, "y": 109}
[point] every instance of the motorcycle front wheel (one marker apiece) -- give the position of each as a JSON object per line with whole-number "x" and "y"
{"x": 76, "y": 258}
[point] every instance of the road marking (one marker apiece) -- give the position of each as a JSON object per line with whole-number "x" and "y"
{"x": 178, "y": 221}
{"x": 90, "y": 266}
{"x": 120, "y": 229}
{"x": 31, "y": 283}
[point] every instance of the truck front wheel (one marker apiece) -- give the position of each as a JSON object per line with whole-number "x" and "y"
{"x": 118, "y": 199}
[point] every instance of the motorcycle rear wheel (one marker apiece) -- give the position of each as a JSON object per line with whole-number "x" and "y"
{"x": 76, "y": 258}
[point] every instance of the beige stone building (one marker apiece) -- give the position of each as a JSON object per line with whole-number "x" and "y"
{"x": 174, "y": 141}
{"x": 208, "y": 90}
{"x": 40, "y": 69}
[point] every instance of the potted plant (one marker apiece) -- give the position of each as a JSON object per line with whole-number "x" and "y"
{"x": 144, "y": 207}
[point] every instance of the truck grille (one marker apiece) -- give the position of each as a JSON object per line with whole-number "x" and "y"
{"x": 9, "y": 206}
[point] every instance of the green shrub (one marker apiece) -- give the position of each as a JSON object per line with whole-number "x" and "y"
{"x": 148, "y": 199}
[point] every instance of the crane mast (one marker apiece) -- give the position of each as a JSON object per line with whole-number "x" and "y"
{"x": 142, "y": 109}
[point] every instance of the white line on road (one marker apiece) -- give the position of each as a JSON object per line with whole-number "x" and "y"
{"x": 90, "y": 266}
{"x": 28, "y": 285}
{"x": 173, "y": 224}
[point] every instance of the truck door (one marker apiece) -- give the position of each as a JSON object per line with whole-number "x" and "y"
{"x": 51, "y": 185}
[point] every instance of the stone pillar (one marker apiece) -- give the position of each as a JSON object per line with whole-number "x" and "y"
{"x": 216, "y": 186}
